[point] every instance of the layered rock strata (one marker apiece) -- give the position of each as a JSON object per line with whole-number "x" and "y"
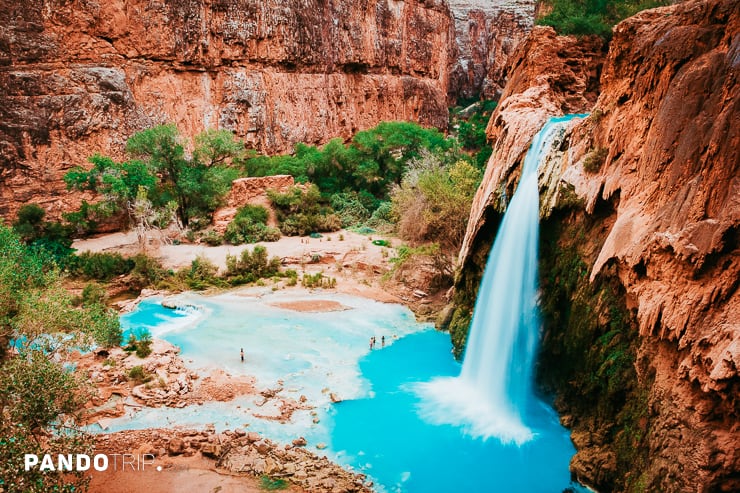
{"x": 642, "y": 254}
{"x": 80, "y": 77}
{"x": 487, "y": 32}
{"x": 550, "y": 75}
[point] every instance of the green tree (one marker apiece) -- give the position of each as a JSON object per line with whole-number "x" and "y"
{"x": 52, "y": 238}
{"x": 159, "y": 165}
{"x": 39, "y": 399}
{"x": 39, "y": 406}
{"x": 433, "y": 201}
{"x": 368, "y": 165}
{"x": 582, "y": 17}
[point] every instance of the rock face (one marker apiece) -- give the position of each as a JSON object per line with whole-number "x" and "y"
{"x": 487, "y": 32}
{"x": 641, "y": 254}
{"x": 252, "y": 190}
{"x": 549, "y": 75}
{"x": 80, "y": 77}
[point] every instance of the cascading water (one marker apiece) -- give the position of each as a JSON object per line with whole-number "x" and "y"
{"x": 494, "y": 389}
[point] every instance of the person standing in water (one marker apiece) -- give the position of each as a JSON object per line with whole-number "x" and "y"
{"x": 241, "y": 353}
{"x": 382, "y": 341}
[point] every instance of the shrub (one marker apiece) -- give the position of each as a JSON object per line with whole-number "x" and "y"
{"x": 202, "y": 273}
{"x": 92, "y": 294}
{"x": 140, "y": 341}
{"x": 104, "y": 323}
{"x": 29, "y": 221}
{"x": 434, "y": 200}
{"x": 51, "y": 239}
{"x": 583, "y": 17}
{"x": 139, "y": 375}
{"x": 350, "y": 209}
{"x": 144, "y": 347}
{"x": 253, "y": 213}
{"x": 100, "y": 266}
{"x": 249, "y": 226}
{"x": 595, "y": 159}
{"x": 146, "y": 271}
{"x": 382, "y": 218}
{"x": 292, "y": 277}
{"x": 251, "y": 266}
{"x": 212, "y": 238}
{"x": 318, "y": 280}
{"x": 300, "y": 211}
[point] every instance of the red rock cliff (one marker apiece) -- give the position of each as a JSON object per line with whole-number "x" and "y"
{"x": 487, "y": 32}
{"x": 656, "y": 170}
{"x": 79, "y": 77}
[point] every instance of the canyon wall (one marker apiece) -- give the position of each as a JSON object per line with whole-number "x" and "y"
{"x": 640, "y": 255}
{"x": 79, "y": 77}
{"x": 487, "y": 33}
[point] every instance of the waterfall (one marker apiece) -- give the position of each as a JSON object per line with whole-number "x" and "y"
{"x": 495, "y": 387}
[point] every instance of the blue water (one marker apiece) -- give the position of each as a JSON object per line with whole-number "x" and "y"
{"x": 493, "y": 396}
{"x": 385, "y": 436}
{"x": 378, "y": 429}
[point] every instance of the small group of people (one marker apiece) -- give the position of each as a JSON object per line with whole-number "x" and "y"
{"x": 373, "y": 342}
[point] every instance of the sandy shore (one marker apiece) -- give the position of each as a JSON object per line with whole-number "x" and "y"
{"x": 312, "y": 306}
{"x": 292, "y": 249}
{"x": 354, "y": 262}
{"x": 179, "y": 474}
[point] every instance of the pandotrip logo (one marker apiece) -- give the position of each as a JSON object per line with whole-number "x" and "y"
{"x": 83, "y": 462}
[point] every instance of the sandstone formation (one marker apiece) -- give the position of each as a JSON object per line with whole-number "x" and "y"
{"x": 486, "y": 32}
{"x": 646, "y": 220}
{"x": 252, "y": 190}
{"x": 80, "y": 77}
{"x": 549, "y": 75}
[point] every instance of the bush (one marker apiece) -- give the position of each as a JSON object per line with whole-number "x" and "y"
{"x": 92, "y": 294}
{"x": 251, "y": 266}
{"x": 146, "y": 271}
{"x": 595, "y": 159}
{"x": 350, "y": 209}
{"x": 318, "y": 280}
{"x": 242, "y": 231}
{"x": 139, "y": 375}
{"x": 100, "y": 266}
{"x": 106, "y": 327}
{"x": 51, "y": 239}
{"x": 144, "y": 347}
{"x": 202, "y": 274}
{"x": 583, "y": 17}
{"x": 433, "y": 202}
{"x": 140, "y": 341}
{"x": 250, "y": 226}
{"x": 212, "y": 238}
{"x": 301, "y": 212}
{"x": 382, "y": 218}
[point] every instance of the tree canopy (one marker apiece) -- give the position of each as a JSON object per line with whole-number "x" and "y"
{"x": 196, "y": 184}
{"x": 39, "y": 399}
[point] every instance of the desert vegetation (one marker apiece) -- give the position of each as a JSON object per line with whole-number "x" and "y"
{"x": 584, "y": 17}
